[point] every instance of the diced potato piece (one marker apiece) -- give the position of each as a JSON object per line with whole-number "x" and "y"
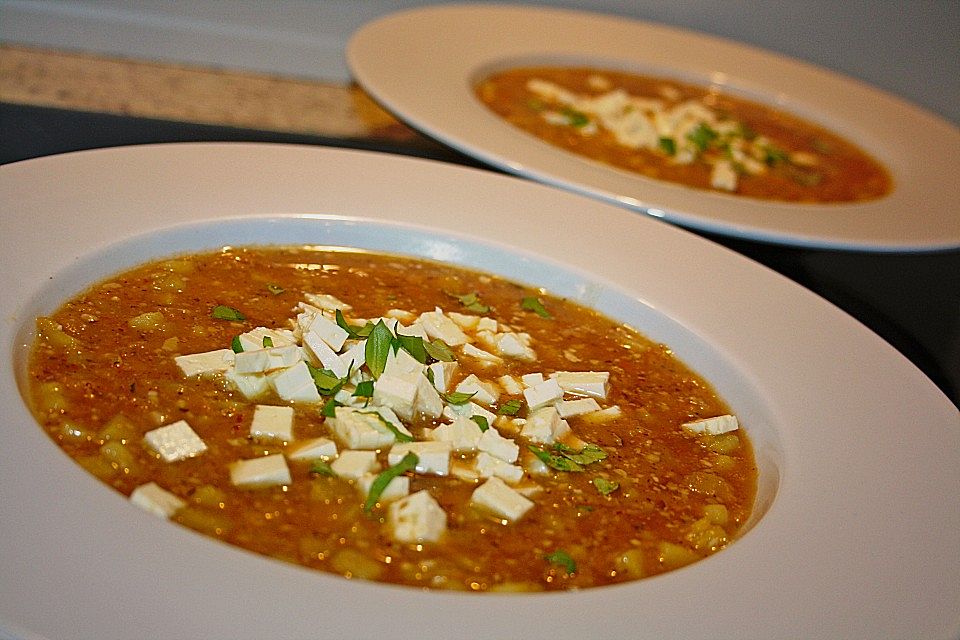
{"x": 709, "y": 484}
{"x": 353, "y": 564}
{"x": 724, "y": 443}
{"x": 76, "y": 432}
{"x": 515, "y": 587}
{"x": 706, "y": 536}
{"x": 99, "y": 466}
{"x": 50, "y": 397}
{"x": 629, "y": 563}
{"x": 119, "y": 428}
{"x": 674, "y": 556}
{"x": 53, "y": 334}
{"x": 116, "y": 453}
{"x": 203, "y": 520}
{"x": 717, "y": 514}
{"x": 150, "y": 321}
{"x": 209, "y": 496}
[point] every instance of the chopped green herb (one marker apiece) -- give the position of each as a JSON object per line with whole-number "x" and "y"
{"x": 562, "y": 559}
{"x": 364, "y": 389}
{"x": 321, "y": 468}
{"x": 576, "y": 118}
{"x": 531, "y": 303}
{"x": 457, "y": 397}
{"x": 377, "y": 348}
{"x": 470, "y": 301}
{"x": 439, "y": 350}
{"x": 560, "y": 463}
{"x": 804, "y": 177}
{"x": 668, "y": 146}
{"x": 702, "y": 136}
{"x": 604, "y": 486}
{"x": 481, "y": 422}
{"x": 327, "y": 381}
{"x": 223, "y": 312}
{"x": 414, "y": 346}
{"x": 353, "y": 331}
{"x": 407, "y": 463}
{"x": 330, "y": 408}
{"x": 235, "y": 345}
{"x": 510, "y": 407}
{"x": 275, "y": 289}
{"x": 774, "y": 156}
{"x": 588, "y": 455}
{"x": 267, "y": 342}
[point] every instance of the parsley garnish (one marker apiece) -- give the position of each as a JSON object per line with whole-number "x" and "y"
{"x": 327, "y": 381}
{"x": 364, "y": 389}
{"x": 377, "y": 348}
{"x": 564, "y": 458}
{"x": 481, "y": 422}
{"x": 604, "y": 486}
{"x": 531, "y": 303}
{"x": 560, "y": 463}
{"x": 471, "y": 301}
{"x": 235, "y": 345}
{"x": 330, "y": 408}
{"x": 439, "y": 350}
{"x": 576, "y": 118}
{"x": 267, "y": 342}
{"x": 223, "y": 312}
{"x": 562, "y": 558}
{"x": 413, "y": 345}
{"x": 321, "y": 468}
{"x": 353, "y": 331}
{"x": 407, "y": 463}
{"x": 392, "y": 428}
{"x": 457, "y": 397}
{"x": 510, "y": 407}
{"x": 668, "y": 146}
{"x": 702, "y": 136}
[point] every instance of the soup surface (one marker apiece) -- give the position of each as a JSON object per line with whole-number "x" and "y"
{"x": 392, "y": 419}
{"x": 684, "y": 134}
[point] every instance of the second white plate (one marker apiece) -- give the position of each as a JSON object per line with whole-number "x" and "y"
{"x": 422, "y": 64}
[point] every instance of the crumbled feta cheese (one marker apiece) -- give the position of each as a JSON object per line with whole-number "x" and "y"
{"x": 713, "y": 426}
{"x": 175, "y": 442}
{"x": 295, "y": 384}
{"x": 272, "y": 423}
{"x": 438, "y": 325}
{"x": 547, "y": 392}
{"x": 586, "y": 383}
{"x": 156, "y": 500}
{"x": 433, "y": 455}
{"x": 266, "y": 471}
{"x": 484, "y": 393}
{"x": 493, "y": 443}
{"x": 353, "y": 464}
{"x": 360, "y": 429}
{"x": 463, "y": 434}
{"x": 313, "y": 449}
{"x": 570, "y": 408}
{"x": 497, "y": 497}
{"x": 490, "y": 466}
{"x": 397, "y": 488}
{"x": 198, "y": 364}
{"x": 545, "y": 425}
{"x": 417, "y": 518}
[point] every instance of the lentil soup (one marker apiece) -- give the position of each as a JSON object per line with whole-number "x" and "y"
{"x": 393, "y": 419}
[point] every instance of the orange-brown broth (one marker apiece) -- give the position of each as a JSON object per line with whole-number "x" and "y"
{"x": 108, "y": 369}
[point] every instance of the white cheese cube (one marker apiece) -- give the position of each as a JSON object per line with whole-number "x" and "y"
{"x": 468, "y": 410}
{"x": 353, "y": 464}
{"x": 586, "y": 383}
{"x": 463, "y": 434}
{"x": 438, "y": 325}
{"x": 360, "y": 429}
{"x": 327, "y": 302}
{"x": 723, "y": 176}
{"x": 604, "y": 415}
{"x": 547, "y": 392}
{"x": 485, "y": 357}
{"x": 495, "y": 496}
{"x": 263, "y": 360}
{"x": 175, "y": 441}
{"x": 443, "y": 373}
{"x": 531, "y": 379}
{"x": 433, "y": 456}
{"x": 354, "y": 357}
{"x": 545, "y": 425}
{"x": 489, "y": 466}
{"x": 327, "y": 330}
{"x": 321, "y": 353}
{"x": 198, "y": 364}
{"x": 295, "y": 384}
{"x": 397, "y": 392}
{"x": 388, "y": 415}
{"x": 156, "y": 500}
{"x": 510, "y": 384}
{"x": 570, "y": 408}
{"x": 464, "y": 321}
{"x": 313, "y": 449}
{"x": 272, "y": 423}
{"x": 487, "y": 324}
{"x": 400, "y": 363}
{"x": 253, "y": 340}
{"x": 251, "y": 385}
{"x": 466, "y": 472}
{"x": 428, "y": 401}
{"x": 397, "y": 488}
{"x": 266, "y": 471}
{"x": 511, "y": 345}
{"x": 713, "y": 426}
{"x": 401, "y": 314}
{"x": 484, "y": 393}
{"x": 417, "y": 518}
{"x": 493, "y": 443}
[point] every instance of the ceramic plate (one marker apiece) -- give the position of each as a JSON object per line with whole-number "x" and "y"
{"x": 859, "y": 453}
{"x": 422, "y": 64}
